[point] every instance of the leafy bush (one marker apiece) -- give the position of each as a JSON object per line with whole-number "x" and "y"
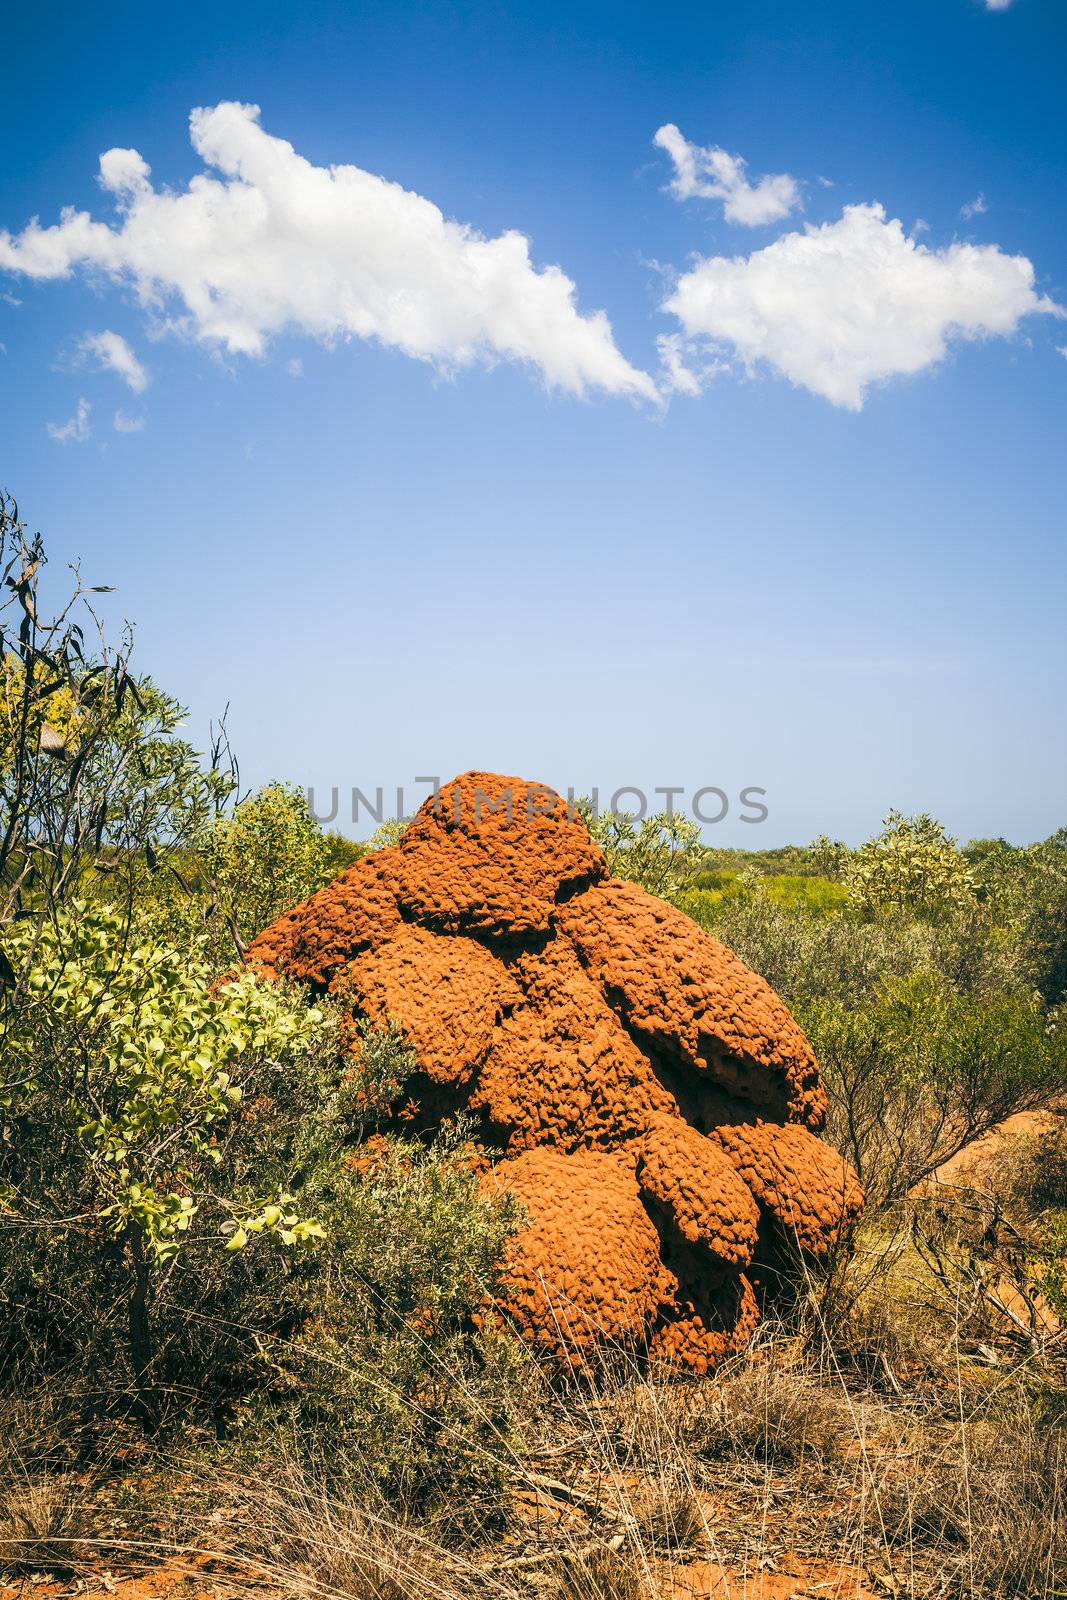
{"x": 806, "y": 958}
{"x": 911, "y": 866}
{"x": 341, "y": 852}
{"x": 194, "y": 1232}
{"x": 263, "y": 859}
{"x": 841, "y": 955}
{"x": 123, "y": 1067}
{"x": 922, "y": 1070}
{"x": 97, "y": 788}
{"x": 398, "y": 1369}
{"x": 239, "y": 871}
{"x": 655, "y": 852}
{"x": 1025, "y": 891}
{"x": 926, "y": 1029}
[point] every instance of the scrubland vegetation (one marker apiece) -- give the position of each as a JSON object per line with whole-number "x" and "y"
{"x": 245, "y": 1322}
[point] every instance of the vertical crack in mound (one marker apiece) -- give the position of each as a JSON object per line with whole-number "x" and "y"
{"x": 652, "y": 1102}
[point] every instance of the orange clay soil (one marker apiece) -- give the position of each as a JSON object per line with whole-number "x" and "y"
{"x": 649, "y": 1099}
{"x": 794, "y": 1578}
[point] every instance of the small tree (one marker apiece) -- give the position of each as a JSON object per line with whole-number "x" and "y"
{"x": 651, "y": 852}
{"x": 828, "y": 857}
{"x": 263, "y": 859}
{"x": 921, "y": 1071}
{"x": 98, "y": 790}
{"x": 911, "y": 866}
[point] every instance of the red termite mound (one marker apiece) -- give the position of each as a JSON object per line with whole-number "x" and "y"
{"x": 650, "y": 1101}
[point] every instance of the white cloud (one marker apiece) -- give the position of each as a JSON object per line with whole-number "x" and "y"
{"x": 677, "y": 377}
{"x": 113, "y": 354}
{"x": 295, "y": 367}
{"x": 709, "y": 173}
{"x": 975, "y": 208}
{"x": 997, "y": 5}
{"x": 853, "y": 302}
{"x": 685, "y": 367}
{"x": 124, "y": 423}
{"x": 77, "y": 429}
{"x": 276, "y": 243}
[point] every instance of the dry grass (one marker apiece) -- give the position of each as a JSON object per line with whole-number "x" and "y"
{"x": 768, "y": 1413}
{"x": 991, "y": 1498}
{"x": 598, "y": 1573}
{"x": 941, "y": 1473}
{"x": 289, "y": 1531}
{"x": 45, "y": 1524}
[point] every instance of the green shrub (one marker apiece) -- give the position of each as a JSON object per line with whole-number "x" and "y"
{"x": 841, "y": 955}
{"x": 921, "y": 1070}
{"x": 911, "y": 866}
{"x": 124, "y": 1069}
{"x": 655, "y": 852}
{"x": 195, "y": 1233}
{"x": 397, "y": 1372}
{"x": 1025, "y": 891}
{"x": 341, "y": 852}
{"x": 926, "y": 1029}
{"x": 240, "y": 870}
{"x": 702, "y": 895}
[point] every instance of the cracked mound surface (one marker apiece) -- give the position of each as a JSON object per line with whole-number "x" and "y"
{"x": 651, "y": 1102}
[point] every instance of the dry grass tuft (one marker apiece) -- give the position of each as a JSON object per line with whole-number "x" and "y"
{"x": 598, "y": 1573}
{"x": 772, "y": 1414}
{"x": 994, "y": 1500}
{"x": 754, "y": 1409}
{"x": 311, "y": 1543}
{"x": 666, "y": 1514}
{"x": 44, "y": 1524}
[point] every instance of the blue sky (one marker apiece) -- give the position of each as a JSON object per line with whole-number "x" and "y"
{"x": 814, "y": 543}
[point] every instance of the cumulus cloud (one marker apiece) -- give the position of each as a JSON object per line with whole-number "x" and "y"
{"x": 706, "y": 172}
{"x": 975, "y": 208}
{"x": 850, "y": 303}
{"x": 77, "y": 429}
{"x": 113, "y": 354}
{"x": 273, "y": 242}
{"x": 124, "y": 423}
